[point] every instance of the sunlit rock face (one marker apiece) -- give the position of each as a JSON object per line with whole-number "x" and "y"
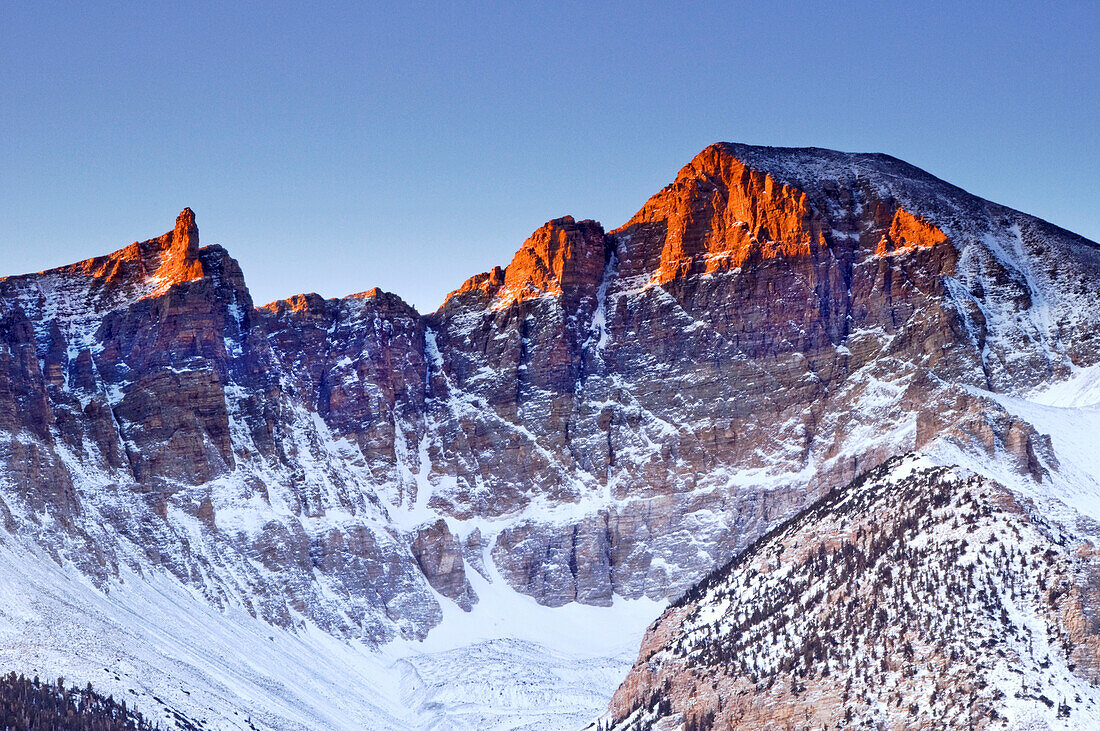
{"x": 612, "y": 414}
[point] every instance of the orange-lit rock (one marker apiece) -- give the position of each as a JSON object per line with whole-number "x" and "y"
{"x": 720, "y": 214}
{"x": 561, "y": 256}
{"x": 168, "y": 259}
{"x": 907, "y": 232}
{"x": 486, "y": 283}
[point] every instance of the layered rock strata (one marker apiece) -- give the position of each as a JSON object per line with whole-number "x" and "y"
{"x": 613, "y": 414}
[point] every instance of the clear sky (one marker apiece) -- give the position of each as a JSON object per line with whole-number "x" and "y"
{"x": 337, "y": 147}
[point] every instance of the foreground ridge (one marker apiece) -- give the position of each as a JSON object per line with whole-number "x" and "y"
{"x": 915, "y": 597}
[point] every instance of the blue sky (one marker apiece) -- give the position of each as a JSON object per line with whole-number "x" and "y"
{"x": 410, "y": 145}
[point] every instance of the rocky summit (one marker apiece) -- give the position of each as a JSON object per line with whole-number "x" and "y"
{"x": 610, "y": 417}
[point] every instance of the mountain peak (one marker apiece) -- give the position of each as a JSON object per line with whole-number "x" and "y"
{"x": 736, "y": 205}
{"x": 177, "y": 251}
{"x": 186, "y": 234}
{"x": 152, "y": 265}
{"x": 562, "y": 255}
{"x": 720, "y": 213}
{"x": 817, "y": 170}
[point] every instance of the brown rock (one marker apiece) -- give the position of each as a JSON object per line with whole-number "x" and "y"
{"x": 439, "y": 555}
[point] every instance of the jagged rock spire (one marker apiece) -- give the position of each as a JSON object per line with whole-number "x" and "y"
{"x": 185, "y": 237}
{"x": 180, "y": 246}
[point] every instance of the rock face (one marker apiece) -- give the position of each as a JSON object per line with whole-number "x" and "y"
{"x": 916, "y": 597}
{"x": 149, "y": 421}
{"x": 613, "y": 414}
{"x": 562, "y": 256}
{"x": 439, "y": 555}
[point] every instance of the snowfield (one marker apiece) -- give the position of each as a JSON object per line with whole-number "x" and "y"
{"x": 1068, "y": 412}
{"x": 509, "y": 664}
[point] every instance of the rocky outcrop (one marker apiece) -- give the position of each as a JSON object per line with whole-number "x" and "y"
{"x": 359, "y": 364}
{"x": 719, "y": 215}
{"x": 613, "y": 414}
{"x": 179, "y": 260}
{"x": 561, "y": 257}
{"x": 907, "y": 232}
{"x": 439, "y": 555}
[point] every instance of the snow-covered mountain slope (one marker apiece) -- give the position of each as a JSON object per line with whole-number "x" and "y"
{"x": 916, "y": 597}
{"x": 606, "y": 419}
{"x": 1068, "y": 413}
{"x": 165, "y": 650}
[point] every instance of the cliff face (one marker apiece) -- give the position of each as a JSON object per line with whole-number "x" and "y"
{"x": 149, "y": 421}
{"x": 765, "y": 328}
{"x": 615, "y": 413}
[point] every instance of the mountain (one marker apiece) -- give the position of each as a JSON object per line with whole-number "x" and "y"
{"x": 584, "y": 433}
